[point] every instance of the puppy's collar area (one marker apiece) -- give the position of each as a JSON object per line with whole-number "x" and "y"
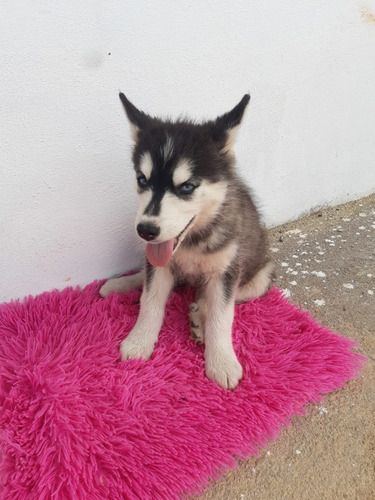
{"x": 159, "y": 254}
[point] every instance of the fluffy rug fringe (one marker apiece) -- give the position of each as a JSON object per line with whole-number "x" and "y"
{"x": 77, "y": 423}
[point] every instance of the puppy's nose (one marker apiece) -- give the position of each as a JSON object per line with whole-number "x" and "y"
{"x": 148, "y": 231}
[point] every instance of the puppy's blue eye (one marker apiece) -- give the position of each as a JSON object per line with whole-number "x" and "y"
{"x": 142, "y": 181}
{"x": 187, "y": 188}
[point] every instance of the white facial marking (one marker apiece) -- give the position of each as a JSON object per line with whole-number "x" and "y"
{"x": 174, "y": 215}
{"x": 167, "y": 149}
{"x": 209, "y": 199}
{"x": 175, "y": 212}
{"x": 182, "y": 172}
{"x": 146, "y": 165}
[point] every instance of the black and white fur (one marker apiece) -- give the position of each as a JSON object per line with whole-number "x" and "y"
{"x": 190, "y": 196}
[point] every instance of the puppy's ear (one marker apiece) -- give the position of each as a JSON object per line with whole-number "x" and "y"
{"x": 225, "y": 127}
{"x": 138, "y": 120}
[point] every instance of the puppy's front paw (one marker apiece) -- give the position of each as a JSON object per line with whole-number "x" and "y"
{"x": 136, "y": 346}
{"x": 223, "y": 368}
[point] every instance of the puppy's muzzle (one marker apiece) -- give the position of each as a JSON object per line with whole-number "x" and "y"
{"x": 148, "y": 232}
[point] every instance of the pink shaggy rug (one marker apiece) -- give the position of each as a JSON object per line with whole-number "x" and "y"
{"x": 77, "y": 423}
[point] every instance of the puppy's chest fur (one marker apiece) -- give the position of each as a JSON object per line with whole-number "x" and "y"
{"x": 194, "y": 267}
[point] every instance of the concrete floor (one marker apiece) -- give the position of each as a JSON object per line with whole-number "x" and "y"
{"x": 326, "y": 262}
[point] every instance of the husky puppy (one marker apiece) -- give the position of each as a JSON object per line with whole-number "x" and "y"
{"x": 201, "y": 229}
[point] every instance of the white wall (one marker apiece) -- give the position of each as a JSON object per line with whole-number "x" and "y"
{"x": 66, "y": 185}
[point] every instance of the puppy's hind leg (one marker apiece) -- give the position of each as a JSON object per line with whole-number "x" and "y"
{"x": 123, "y": 284}
{"x": 197, "y": 317}
{"x": 257, "y": 286}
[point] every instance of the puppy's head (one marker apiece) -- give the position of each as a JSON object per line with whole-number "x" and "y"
{"x": 182, "y": 170}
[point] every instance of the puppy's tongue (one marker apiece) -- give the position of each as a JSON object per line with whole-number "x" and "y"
{"x": 159, "y": 254}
